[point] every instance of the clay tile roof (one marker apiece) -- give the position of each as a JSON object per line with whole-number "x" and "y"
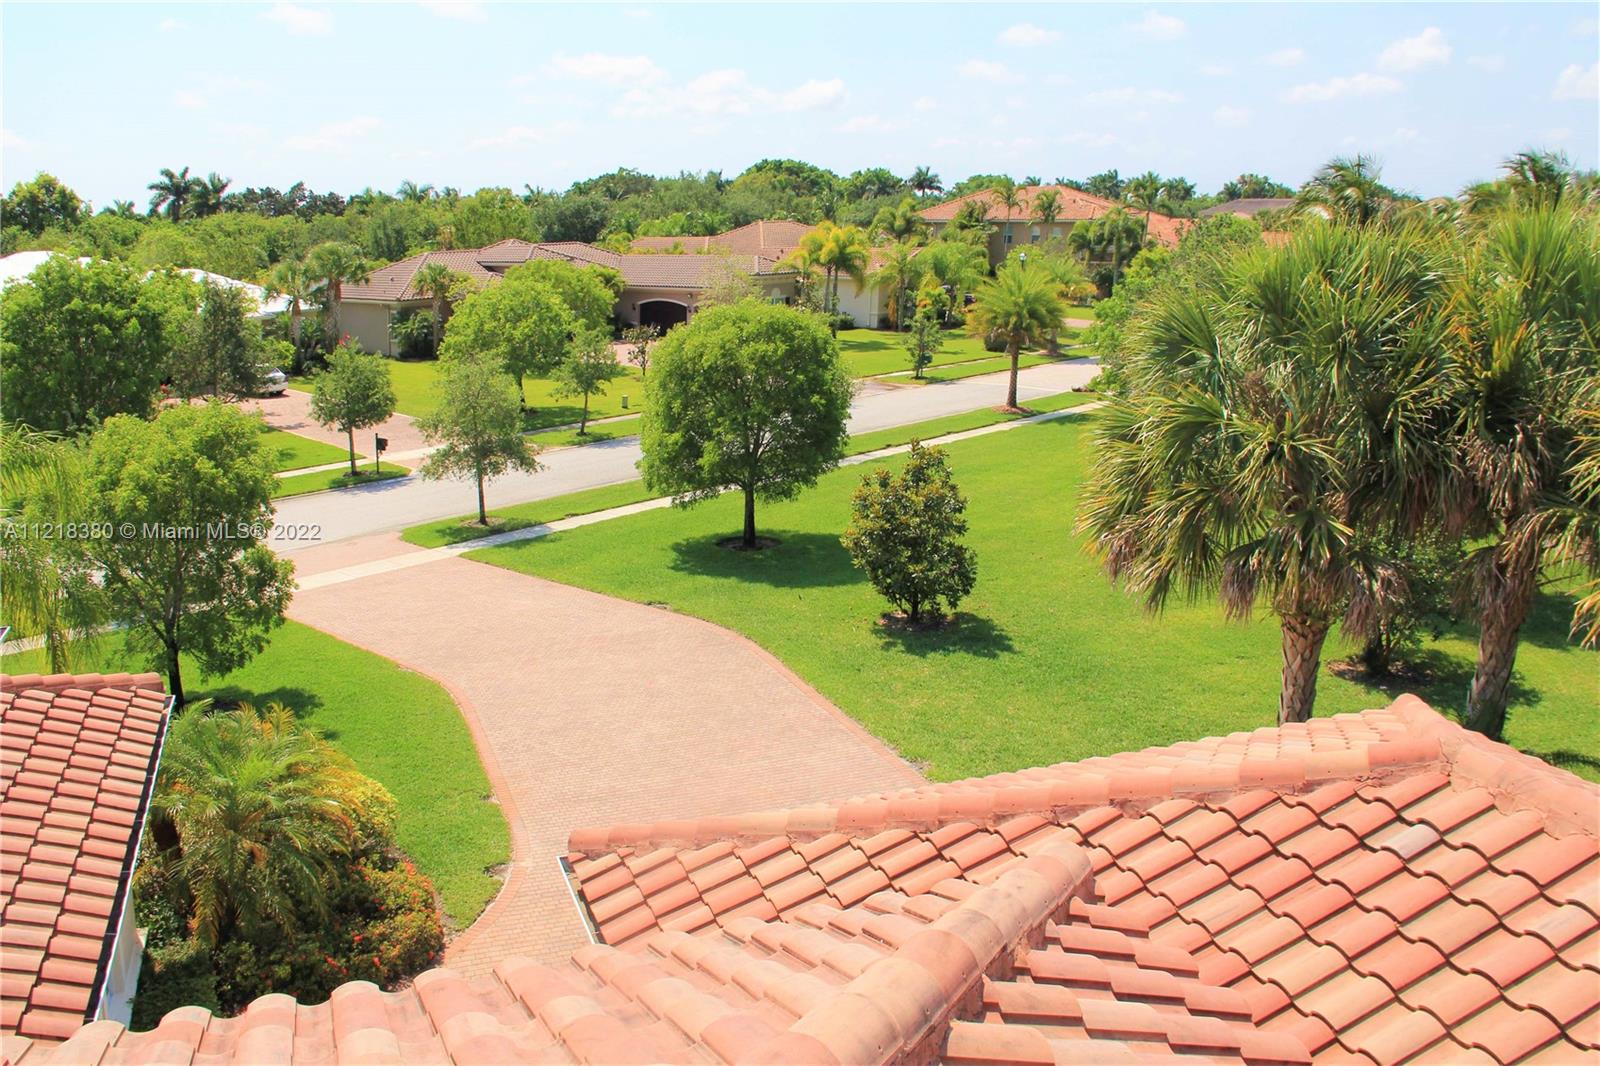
{"x": 1074, "y": 205}
{"x": 78, "y": 757}
{"x": 769, "y": 238}
{"x": 1249, "y": 206}
{"x": 1376, "y": 885}
{"x": 1379, "y": 887}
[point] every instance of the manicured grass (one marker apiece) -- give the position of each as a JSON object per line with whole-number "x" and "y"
{"x": 415, "y": 384}
{"x": 300, "y": 484}
{"x": 292, "y": 452}
{"x": 938, "y": 427}
{"x": 398, "y": 726}
{"x": 455, "y": 530}
{"x": 1074, "y": 311}
{"x": 875, "y": 351}
{"x": 1047, "y": 660}
{"x": 991, "y": 365}
{"x": 565, "y": 438}
{"x": 466, "y": 527}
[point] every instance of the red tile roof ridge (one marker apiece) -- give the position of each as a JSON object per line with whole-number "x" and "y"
{"x": 1058, "y": 792}
{"x": 1517, "y": 781}
{"x": 908, "y": 977}
{"x": 56, "y": 684}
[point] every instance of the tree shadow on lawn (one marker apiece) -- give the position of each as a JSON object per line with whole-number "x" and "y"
{"x": 1443, "y": 683}
{"x": 798, "y": 560}
{"x": 1549, "y": 623}
{"x": 965, "y": 634}
{"x": 303, "y": 702}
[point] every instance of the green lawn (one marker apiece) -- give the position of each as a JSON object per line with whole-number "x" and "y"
{"x": 565, "y": 438}
{"x": 1074, "y": 311}
{"x": 415, "y": 391}
{"x": 466, "y": 527}
{"x": 875, "y": 351}
{"x": 992, "y": 365}
{"x": 292, "y": 452}
{"x": 398, "y": 726}
{"x": 1047, "y": 660}
{"x": 300, "y": 484}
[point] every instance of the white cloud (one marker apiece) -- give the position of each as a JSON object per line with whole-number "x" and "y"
{"x": 171, "y": 25}
{"x": 869, "y": 124}
{"x": 189, "y": 99}
{"x": 1216, "y": 70}
{"x": 1577, "y": 83}
{"x": 1362, "y": 84}
{"x": 333, "y": 136}
{"x": 300, "y": 21}
{"x": 924, "y": 103}
{"x": 1426, "y": 49}
{"x": 1027, "y": 35}
{"x": 1586, "y": 27}
{"x": 1402, "y": 135}
{"x": 1285, "y": 57}
{"x": 728, "y": 91}
{"x": 987, "y": 70}
{"x": 1488, "y": 64}
{"x": 1231, "y": 117}
{"x": 1129, "y": 95}
{"x": 1558, "y": 135}
{"x": 948, "y": 142}
{"x": 11, "y": 140}
{"x": 461, "y": 10}
{"x": 813, "y": 95}
{"x": 513, "y": 135}
{"x": 1091, "y": 140}
{"x": 607, "y": 69}
{"x": 1159, "y": 27}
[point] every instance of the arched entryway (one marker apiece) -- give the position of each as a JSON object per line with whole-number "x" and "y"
{"x": 663, "y": 314}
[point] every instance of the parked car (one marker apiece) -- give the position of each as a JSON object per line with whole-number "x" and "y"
{"x": 273, "y": 381}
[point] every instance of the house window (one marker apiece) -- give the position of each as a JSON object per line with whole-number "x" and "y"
{"x": 1055, "y": 231}
{"x": 1033, "y": 235}
{"x": 1008, "y": 237}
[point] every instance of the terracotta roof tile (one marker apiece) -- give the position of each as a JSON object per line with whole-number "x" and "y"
{"x": 1074, "y": 205}
{"x": 81, "y": 753}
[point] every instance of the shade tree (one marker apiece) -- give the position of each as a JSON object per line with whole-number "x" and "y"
{"x": 352, "y": 392}
{"x": 477, "y": 427}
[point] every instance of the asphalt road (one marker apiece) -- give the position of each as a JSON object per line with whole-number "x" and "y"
{"x": 319, "y": 518}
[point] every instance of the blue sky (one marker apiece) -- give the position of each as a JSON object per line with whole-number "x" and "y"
{"x": 349, "y": 95}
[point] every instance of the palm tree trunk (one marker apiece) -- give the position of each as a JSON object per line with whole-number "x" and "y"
{"x": 1302, "y": 658}
{"x": 1014, "y": 350}
{"x": 1497, "y": 654}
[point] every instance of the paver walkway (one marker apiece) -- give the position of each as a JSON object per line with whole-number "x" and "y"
{"x": 291, "y": 411}
{"x": 589, "y": 710}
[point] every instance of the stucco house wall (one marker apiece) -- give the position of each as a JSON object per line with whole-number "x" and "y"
{"x": 367, "y": 324}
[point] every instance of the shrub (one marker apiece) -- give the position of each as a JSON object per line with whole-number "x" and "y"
{"x": 172, "y": 976}
{"x": 905, "y": 532}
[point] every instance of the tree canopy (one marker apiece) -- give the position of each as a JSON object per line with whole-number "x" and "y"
{"x": 750, "y": 396}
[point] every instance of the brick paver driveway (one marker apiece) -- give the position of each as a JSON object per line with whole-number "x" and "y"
{"x": 589, "y": 711}
{"x": 291, "y": 411}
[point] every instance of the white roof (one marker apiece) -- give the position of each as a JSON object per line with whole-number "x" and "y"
{"x": 19, "y": 265}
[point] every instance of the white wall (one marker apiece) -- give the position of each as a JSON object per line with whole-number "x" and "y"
{"x": 367, "y": 324}
{"x": 122, "y": 974}
{"x": 865, "y": 305}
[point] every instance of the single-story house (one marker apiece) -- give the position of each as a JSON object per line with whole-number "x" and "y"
{"x": 658, "y": 289}
{"x": 1383, "y": 887}
{"x": 1249, "y": 207}
{"x": 19, "y": 266}
{"x": 1023, "y": 227}
{"x": 79, "y": 756}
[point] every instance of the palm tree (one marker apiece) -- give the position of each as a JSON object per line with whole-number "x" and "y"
{"x": 293, "y": 280}
{"x": 208, "y": 193}
{"x": 1020, "y": 304}
{"x": 1177, "y": 192}
{"x": 121, "y": 209}
{"x": 1047, "y": 207}
{"x": 1007, "y": 195}
{"x": 1276, "y": 410}
{"x": 898, "y": 276}
{"x": 1114, "y": 236}
{"x": 1071, "y": 282}
{"x": 923, "y": 181}
{"x": 261, "y": 808}
{"x": 1523, "y": 347}
{"x": 1143, "y": 191}
{"x": 411, "y": 192}
{"x": 901, "y": 222}
{"x": 173, "y": 190}
{"x": 958, "y": 266}
{"x": 333, "y": 265}
{"x": 46, "y": 583}
{"x": 1346, "y": 189}
{"x": 835, "y": 250}
{"x": 438, "y": 283}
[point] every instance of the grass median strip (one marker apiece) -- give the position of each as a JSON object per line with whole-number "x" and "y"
{"x": 604, "y": 431}
{"x": 448, "y": 531}
{"x": 320, "y": 480}
{"x": 290, "y": 451}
